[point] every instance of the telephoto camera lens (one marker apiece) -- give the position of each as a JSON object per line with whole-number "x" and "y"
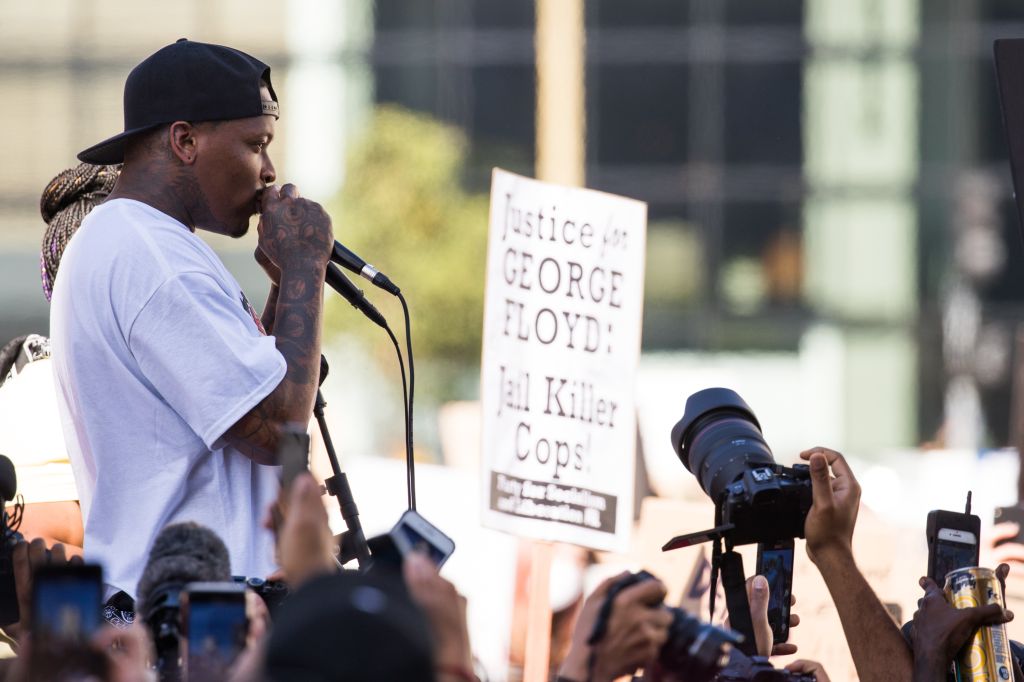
{"x": 695, "y": 651}
{"x": 717, "y": 438}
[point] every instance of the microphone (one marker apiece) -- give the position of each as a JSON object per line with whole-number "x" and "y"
{"x": 182, "y": 553}
{"x": 337, "y": 280}
{"x": 8, "y": 481}
{"x": 346, "y": 259}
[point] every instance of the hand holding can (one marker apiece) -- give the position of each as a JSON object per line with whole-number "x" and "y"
{"x": 987, "y": 657}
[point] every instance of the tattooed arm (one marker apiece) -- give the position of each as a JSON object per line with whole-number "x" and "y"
{"x": 295, "y": 235}
{"x": 274, "y": 273}
{"x": 269, "y": 315}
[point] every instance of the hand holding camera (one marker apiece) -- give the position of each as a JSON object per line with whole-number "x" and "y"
{"x": 836, "y": 501}
{"x": 626, "y": 616}
{"x": 812, "y": 668}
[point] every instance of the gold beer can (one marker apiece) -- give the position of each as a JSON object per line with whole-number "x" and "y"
{"x": 987, "y": 656}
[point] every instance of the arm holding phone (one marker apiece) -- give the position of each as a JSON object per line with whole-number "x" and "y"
{"x": 446, "y": 611}
{"x": 305, "y": 547}
{"x": 304, "y": 542}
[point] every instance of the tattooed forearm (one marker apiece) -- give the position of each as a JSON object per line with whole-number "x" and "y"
{"x": 270, "y": 310}
{"x": 297, "y": 333}
{"x": 294, "y": 234}
{"x": 299, "y": 307}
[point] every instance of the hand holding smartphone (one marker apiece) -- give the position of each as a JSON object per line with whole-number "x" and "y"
{"x": 952, "y": 542}
{"x": 775, "y": 563}
{"x": 292, "y": 453}
{"x": 411, "y": 533}
{"x": 1010, "y": 515}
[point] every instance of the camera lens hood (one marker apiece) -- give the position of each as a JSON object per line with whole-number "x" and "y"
{"x": 698, "y": 405}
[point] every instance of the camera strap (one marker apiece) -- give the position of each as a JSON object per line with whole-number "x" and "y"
{"x": 736, "y": 601}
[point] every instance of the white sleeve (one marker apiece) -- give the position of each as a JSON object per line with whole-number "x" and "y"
{"x": 201, "y": 351}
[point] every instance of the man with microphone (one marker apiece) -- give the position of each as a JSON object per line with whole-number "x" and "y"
{"x": 171, "y": 392}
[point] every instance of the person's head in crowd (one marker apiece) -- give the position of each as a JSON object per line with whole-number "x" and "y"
{"x": 65, "y": 201}
{"x": 350, "y": 627}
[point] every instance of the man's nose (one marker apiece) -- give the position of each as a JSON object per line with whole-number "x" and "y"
{"x": 268, "y": 175}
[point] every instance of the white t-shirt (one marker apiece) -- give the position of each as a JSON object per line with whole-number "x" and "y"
{"x": 156, "y": 353}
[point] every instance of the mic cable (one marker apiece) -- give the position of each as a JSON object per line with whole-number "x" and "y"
{"x": 337, "y": 280}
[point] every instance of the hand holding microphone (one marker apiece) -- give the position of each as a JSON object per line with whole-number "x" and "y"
{"x": 294, "y": 233}
{"x": 282, "y": 231}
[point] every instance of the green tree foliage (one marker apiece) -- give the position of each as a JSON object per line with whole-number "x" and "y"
{"x": 403, "y": 208}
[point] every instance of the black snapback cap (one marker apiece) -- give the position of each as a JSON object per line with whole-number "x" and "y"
{"x": 187, "y": 81}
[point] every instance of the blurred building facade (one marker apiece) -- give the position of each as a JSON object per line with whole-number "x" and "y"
{"x": 812, "y": 168}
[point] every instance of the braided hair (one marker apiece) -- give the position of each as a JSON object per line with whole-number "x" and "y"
{"x": 67, "y": 199}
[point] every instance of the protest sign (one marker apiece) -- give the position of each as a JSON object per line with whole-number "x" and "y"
{"x": 563, "y": 311}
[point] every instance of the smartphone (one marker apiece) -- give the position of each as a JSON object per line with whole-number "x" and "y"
{"x": 775, "y": 563}
{"x": 292, "y": 453}
{"x": 1014, "y": 515}
{"x": 415, "y": 533}
{"x": 67, "y": 602}
{"x": 411, "y": 533}
{"x": 952, "y": 542}
{"x": 66, "y": 613}
{"x": 214, "y": 626}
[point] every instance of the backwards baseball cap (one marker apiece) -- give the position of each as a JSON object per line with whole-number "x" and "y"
{"x": 187, "y": 81}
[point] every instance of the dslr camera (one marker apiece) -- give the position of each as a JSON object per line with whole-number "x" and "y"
{"x": 758, "y": 669}
{"x": 696, "y": 651}
{"x": 719, "y": 441}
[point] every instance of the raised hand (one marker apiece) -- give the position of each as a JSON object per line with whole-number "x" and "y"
{"x": 833, "y": 515}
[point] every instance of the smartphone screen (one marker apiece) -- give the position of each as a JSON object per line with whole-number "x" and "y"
{"x": 66, "y": 613}
{"x": 216, "y": 627}
{"x": 1013, "y": 515}
{"x": 775, "y": 563}
{"x": 415, "y": 533}
{"x": 292, "y": 454}
{"x": 954, "y": 549}
{"x": 415, "y": 541}
{"x": 66, "y": 602}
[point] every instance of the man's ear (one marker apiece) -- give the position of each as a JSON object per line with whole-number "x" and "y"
{"x": 182, "y": 138}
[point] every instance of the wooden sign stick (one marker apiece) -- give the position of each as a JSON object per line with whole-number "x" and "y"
{"x": 538, "y": 614}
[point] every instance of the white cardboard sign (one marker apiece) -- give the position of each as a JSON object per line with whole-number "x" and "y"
{"x": 562, "y": 318}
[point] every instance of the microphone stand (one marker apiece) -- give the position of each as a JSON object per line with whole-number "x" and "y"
{"x": 353, "y": 542}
